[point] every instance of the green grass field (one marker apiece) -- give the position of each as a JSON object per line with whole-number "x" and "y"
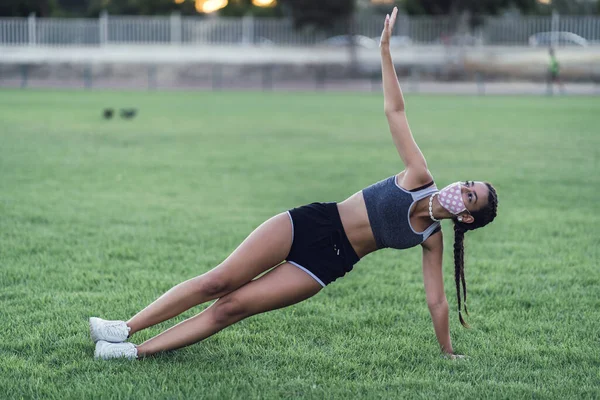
{"x": 98, "y": 218}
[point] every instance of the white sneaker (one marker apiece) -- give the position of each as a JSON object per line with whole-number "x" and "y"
{"x": 106, "y": 350}
{"x": 110, "y": 331}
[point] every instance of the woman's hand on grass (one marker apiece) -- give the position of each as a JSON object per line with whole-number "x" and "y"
{"x": 451, "y": 356}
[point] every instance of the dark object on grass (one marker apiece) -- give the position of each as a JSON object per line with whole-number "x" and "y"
{"x": 128, "y": 113}
{"x": 108, "y": 113}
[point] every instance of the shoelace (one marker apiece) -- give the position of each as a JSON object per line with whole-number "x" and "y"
{"x": 130, "y": 351}
{"x": 114, "y": 329}
{"x": 122, "y": 351}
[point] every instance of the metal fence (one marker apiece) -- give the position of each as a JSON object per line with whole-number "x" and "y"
{"x": 174, "y": 29}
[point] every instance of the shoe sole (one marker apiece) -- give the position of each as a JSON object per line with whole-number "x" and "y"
{"x": 100, "y": 349}
{"x": 94, "y": 330}
{"x": 97, "y": 352}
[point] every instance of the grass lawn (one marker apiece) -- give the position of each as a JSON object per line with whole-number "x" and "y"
{"x": 99, "y": 218}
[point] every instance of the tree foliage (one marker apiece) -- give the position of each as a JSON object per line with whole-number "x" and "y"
{"x": 486, "y": 7}
{"x": 572, "y": 6}
{"x": 239, "y": 8}
{"x": 92, "y": 8}
{"x": 494, "y": 7}
{"x": 22, "y": 8}
{"x": 135, "y": 7}
{"x": 318, "y": 13}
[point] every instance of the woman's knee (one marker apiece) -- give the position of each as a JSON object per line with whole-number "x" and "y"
{"x": 228, "y": 310}
{"x": 212, "y": 286}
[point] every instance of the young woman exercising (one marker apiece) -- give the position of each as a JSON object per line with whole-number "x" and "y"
{"x": 309, "y": 247}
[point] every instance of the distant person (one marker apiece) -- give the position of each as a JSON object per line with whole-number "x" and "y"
{"x": 554, "y": 73}
{"x": 309, "y": 247}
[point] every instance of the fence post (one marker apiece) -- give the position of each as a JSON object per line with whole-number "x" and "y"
{"x": 414, "y": 79}
{"x": 87, "y": 76}
{"x": 217, "y": 77}
{"x": 321, "y": 76}
{"x": 480, "y": 83}
{"x": 248, "y": 29}
{"x": 31, "y": 29}
{"x": 24, "y": 75}
{"x": 376, "y": 83}
{"x": 267, "y": 81}
{"x": 175, "y": 23}
{"x": 151, "y": 77}
{"x": 555, "y": 28}
{"x": 103, "y": 26}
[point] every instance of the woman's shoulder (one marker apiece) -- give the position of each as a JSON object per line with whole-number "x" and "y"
{"x": 413, "y": 181}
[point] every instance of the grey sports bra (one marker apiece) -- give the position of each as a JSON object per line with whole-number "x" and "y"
{"x": 388, "y": 208}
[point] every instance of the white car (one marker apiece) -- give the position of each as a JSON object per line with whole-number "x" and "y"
{"x": 344, "y": 40}
{"x": 547, "y": 39}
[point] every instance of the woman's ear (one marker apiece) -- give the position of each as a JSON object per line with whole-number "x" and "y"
{"x": 466, "y": 218}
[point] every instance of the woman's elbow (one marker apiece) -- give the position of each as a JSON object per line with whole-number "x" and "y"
{"x": 437, "y": 303}
{"x": 392, "y": 109}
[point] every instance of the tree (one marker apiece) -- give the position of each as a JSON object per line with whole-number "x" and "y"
{"x": 475, "y": 7}
{"x": 134, "y": 7}
{"x": 240, "y": 8}
{"x": 571, "y": 6}
{"x": 318, "y": 13}
{"x": 92, "y": 8}
{"x": 22, "y": 8}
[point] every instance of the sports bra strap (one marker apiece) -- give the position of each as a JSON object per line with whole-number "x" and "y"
{"x": 424, "y": 192}
{"x": 430, "y": 230}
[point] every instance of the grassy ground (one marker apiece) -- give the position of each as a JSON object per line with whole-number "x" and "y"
{"x": 98, "y": 218}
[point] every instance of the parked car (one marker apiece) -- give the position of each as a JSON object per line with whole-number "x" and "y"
{"x": 344, "y": 40}
{"x": 263, "y": 41}
{"x": 259, "y": 41}
{"x": 559, "y": 38}
{"x": 460, "y": 39}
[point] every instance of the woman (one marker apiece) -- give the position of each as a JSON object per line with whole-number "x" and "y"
{"x": 313, "y": 245}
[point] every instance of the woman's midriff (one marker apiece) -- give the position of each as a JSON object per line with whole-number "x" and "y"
{"x": 355, "y": 220}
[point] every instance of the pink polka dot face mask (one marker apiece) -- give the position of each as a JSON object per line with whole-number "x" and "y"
{"x": 451, "y": 198}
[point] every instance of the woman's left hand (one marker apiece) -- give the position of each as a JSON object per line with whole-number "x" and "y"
{"x": 388, "y": 28}
{"x": 455, "y": 356}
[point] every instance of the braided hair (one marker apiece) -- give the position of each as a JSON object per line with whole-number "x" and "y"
{"x": 481, "y": 218}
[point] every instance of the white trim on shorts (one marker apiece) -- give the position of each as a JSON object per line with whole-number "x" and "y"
{"x": 292, "y": 221}
{"x": 308, "y": 272}
{"x": 298, "y": 265}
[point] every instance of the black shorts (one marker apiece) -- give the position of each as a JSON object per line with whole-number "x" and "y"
{"x": 320, "y": 246}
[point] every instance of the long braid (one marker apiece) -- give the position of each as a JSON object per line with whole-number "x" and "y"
{"x": 464, "y": 285}
{"x": 459, "y": 236}
{"x": 481, "y": 218}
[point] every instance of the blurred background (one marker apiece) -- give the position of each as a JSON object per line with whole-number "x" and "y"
{"x": 471, "y": 46}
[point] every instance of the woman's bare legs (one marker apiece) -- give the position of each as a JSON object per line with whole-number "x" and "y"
{"x": 263, "y": 249}
{"x": 280, "y": 287}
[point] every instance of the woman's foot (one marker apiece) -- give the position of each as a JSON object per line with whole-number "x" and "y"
{"x": 106, "y": 350}
{"x": 110, "y": 331}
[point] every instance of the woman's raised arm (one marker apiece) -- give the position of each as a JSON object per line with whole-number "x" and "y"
{"x": 394, "y": 106}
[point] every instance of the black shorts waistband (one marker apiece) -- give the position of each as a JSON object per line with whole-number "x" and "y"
{"x": 349, "y": 250}
{"x": 320, "y": 244}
